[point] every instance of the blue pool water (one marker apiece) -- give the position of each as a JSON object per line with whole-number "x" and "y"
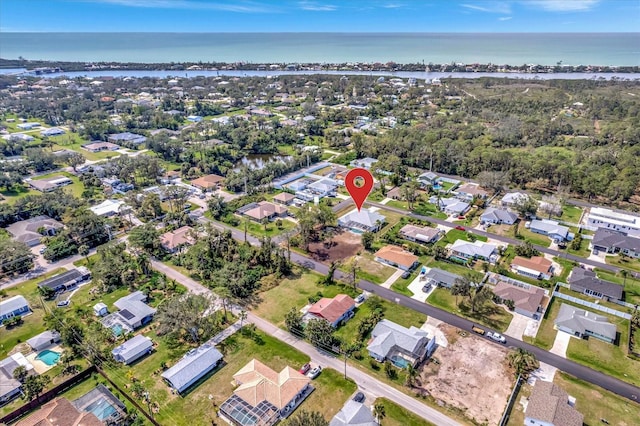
{"x": 101, "y": 408}
{"x": 399, "y": 362}
{"x": 437, "y": 187}
{"x": 117, "y": 329}
{"x": 48, "y": 357}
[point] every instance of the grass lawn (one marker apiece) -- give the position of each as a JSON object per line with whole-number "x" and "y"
{"x": 271, "y": 230}
{"x": 626, "y": 263}
{"x": 196, "y": 406}
{"x": 571, "y": 213}
{"x": 398, "y": 204}
{"x": 454, "y": 268}
{"x": 456, "y": 234}
{"x": 32, "y": 324}
{"x": 631, "y": 285}
{"x": 532, "y": 237}
{"x": 605, "y": 357}
{"x": 567, "y": 267}
{"x": 596, "y": 403}
{"x": 370, "y": 270}
{"x": 74, "y": 142}
{"x": 546, "y": 333}
{"x": 395, "y": 415}
{"x": 583, "y": 251}
{"x": 516, "y": 417}
{"x": 491, "y": 315}
{"x": 427, "y": 209}
{"x": 17, "y": 192}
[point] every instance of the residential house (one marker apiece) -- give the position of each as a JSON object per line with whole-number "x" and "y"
{"x": 536, "y": 267}
{"x": 428, "y": 179}
{"x": 583, "y": 324}
{"x": 586, "y": 282}
{"x": 510, "y": 199}
{"x": 323, "y": 187}
{"x": 365, "y": 163}
{"x": 192, "y": 367}
{"x": 264, "y": 395}
{"x": 134, "y": 310}
{"x": 49, "y": 184}
{"x": 194, "y": 118}
{"x": 61, "y": 282}
{"x": 469, "y": 191}
{"x": 549, "y": 405}
{"x": 600, "y": 217}
{"x": 60, "y": 412}
{"x": 365, "y": 220}
{"x": 133, "y": 349}
{"x": 334, "y": 311}
{"x": 550, "y": 228}
{"x": 609, "y": 241}
{"x": 31, "y": 231}
{"x": 104, "y": 404}
{"x": 400, "y": 345}
{"x": 53, "y": 131}
{"x": 451, "y": 206}
{"x": 99, "y": 146}
{"x": 420, "y": 234}
{"x": 10, "y": 388}
{"x": 284, "y": 198}
{"x": 528, "y": 299}
{"x": 498, "y": 217}
{"x": 44, "y": 340}
{"x": 467, "y": 250}
{"x": 208, "y": 182}
{"x": 127, "y": 138}
{"x": 100, "y": 309}
{"x": 107, "y": 208}
{"x": 13, "y": 307}
{"x": 353, "y": 413}
{"x": 173, "y": 241}
{"x": 28, "y": 126}
{"x": 440, "y": 278}
{"x": 263, "y": 210}
{"x": 169, "y": 177}
{"x": 397, "y": 256}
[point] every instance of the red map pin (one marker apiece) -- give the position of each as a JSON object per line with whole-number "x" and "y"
{"x": 359, "y": 193}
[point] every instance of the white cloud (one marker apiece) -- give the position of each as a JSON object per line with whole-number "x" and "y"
{"x": 563, "y": 5}
{"x": 316, "y": 7}
{"x": 505, "y": 18}
{"x": 240, "y": 7}
{"x": 393, "y": 6}
{"x": 489, "y": 7}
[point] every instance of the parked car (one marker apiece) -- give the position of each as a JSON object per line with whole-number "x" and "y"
{"x": 42, "y": 250}
{"x": 359, "y": 397}
{"x": 497, "y": 337}
{"x": 426, "y": 288}
{"x": 360, "y": 298}
{"x": 406, "y": 275}
{"x": 460, "y": 228}
{"x": 315, "y": 372}
{"x": 63, "y": 303}
{"x": 305, "y": 368}
{"x": 478, "y": 330}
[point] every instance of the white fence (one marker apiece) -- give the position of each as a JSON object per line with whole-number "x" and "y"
{"x": 592, "y": 305}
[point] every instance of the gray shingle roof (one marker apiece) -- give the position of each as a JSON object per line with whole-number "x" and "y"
{"x": 549, "y": 403}
{"x": 132, "y": 347}
{"x": 132, "y": 307}
{"x": 498, "y": 215}
{"x": 440, "y": 276}
{"x": 44, "y": 338}
{"x": 580, "y": 320}
{"x": 353, "y": 414}
{"x": 387, "y": 334}
{"x": 613, "y": 239}
{"x": 191, "y": 366}
{"x": 550, "y": 227}
{"x": 588, "y": 280}
{"x": 12, "y": 304}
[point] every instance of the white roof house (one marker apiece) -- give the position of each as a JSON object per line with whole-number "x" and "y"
{"x": 353, "y": 414}
{"x": 13, "y": 306}
{"x": 473, "y": 250}
{"x": 193, "y": 366}
{"x": 363, "y": 220}
{"x": 132, "y": 349}
{"x": 107, "y": 208}
{"x": 511, "y": 198}
{"x": 392, "y": 341}
{"x": 605, "y": 218}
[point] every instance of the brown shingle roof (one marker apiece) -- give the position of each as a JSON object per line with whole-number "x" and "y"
{"x": 526, "y": 298}
{"x": 208, "y": 181}
{"x": 284, "y": 197}
{"x": 60, "y": 412}
{"x": 537, "y": 263}
{"x": 549, "y": 403}
{"x": 397, "y": 255}
{"x": 332, "y": 309}
{"x": 265, "y": 209}
{"x": 174, "y": 239}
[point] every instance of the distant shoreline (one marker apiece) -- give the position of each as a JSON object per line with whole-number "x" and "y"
{"x": 39, "y": 67}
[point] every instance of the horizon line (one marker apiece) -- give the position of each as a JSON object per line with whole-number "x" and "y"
{"x": 320, "y": 32}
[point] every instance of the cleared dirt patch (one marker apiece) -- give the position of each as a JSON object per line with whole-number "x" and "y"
{"x": 342, "y": 245}
{"x": 472, "y": 375}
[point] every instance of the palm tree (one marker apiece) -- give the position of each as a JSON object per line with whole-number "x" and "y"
{"x": 379, "y": 412}
{"x": 243, "y": 316}
{"x": 412, "y": 374}
{"x": 624, "y": 274}
{"x": 523, "y": 361}
{"x": 224, "y": 294}
{"x": 461, "y": 287}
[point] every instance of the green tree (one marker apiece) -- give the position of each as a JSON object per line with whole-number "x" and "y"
{"x": 15, "y": 257}
{"x": 320, "y": 333}
{"x": 479, "y": 296}
{"x": 526, "y": 250}
{"x": 20, "y": 373}
{"x": 461, "y": 287}
{"x": 523, "y": 362}
{"x": 217, "y": 206}
{"x": 293, "y": 321}
{"x": 525, "y": 205}
{"x": 183, "y": 316}
{"x": 367, "y": 240}
{"x": 379, "y": 412}
{"x": 146, "y": 238}
{"x": 389, "y": 370}
{"x": 412, "y": 375}
{"x": 306, "y": 418}
{"x": 34, "y": 385}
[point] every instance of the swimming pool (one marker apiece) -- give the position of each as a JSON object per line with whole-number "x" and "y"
{"x": 101, "y": 408}
{"x": 117, "y": 329}
{"x": 49, "y": 357}
{"x": 399, "y": 361}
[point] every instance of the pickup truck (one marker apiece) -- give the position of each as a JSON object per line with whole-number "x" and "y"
{"x": 478, "y": 330}
{"x": 497, "y": 337}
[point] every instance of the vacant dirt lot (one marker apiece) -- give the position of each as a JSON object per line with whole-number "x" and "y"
{"x": 472, "y": 375}
{"x": 342, "y": 245}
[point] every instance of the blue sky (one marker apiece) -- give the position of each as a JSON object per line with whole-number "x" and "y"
{"x": 321, "y": 15}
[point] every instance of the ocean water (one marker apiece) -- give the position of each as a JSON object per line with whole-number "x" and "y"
{"x": 612, "y": 49}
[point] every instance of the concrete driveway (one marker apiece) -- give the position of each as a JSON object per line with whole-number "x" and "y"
{"x": 392, "y": 279}
{"x": 561, "y": 344}
{"x": 517, "y": 326}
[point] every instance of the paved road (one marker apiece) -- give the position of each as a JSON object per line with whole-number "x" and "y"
{"x": 504, "y": 239}
{"x": 365, "y": 381}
